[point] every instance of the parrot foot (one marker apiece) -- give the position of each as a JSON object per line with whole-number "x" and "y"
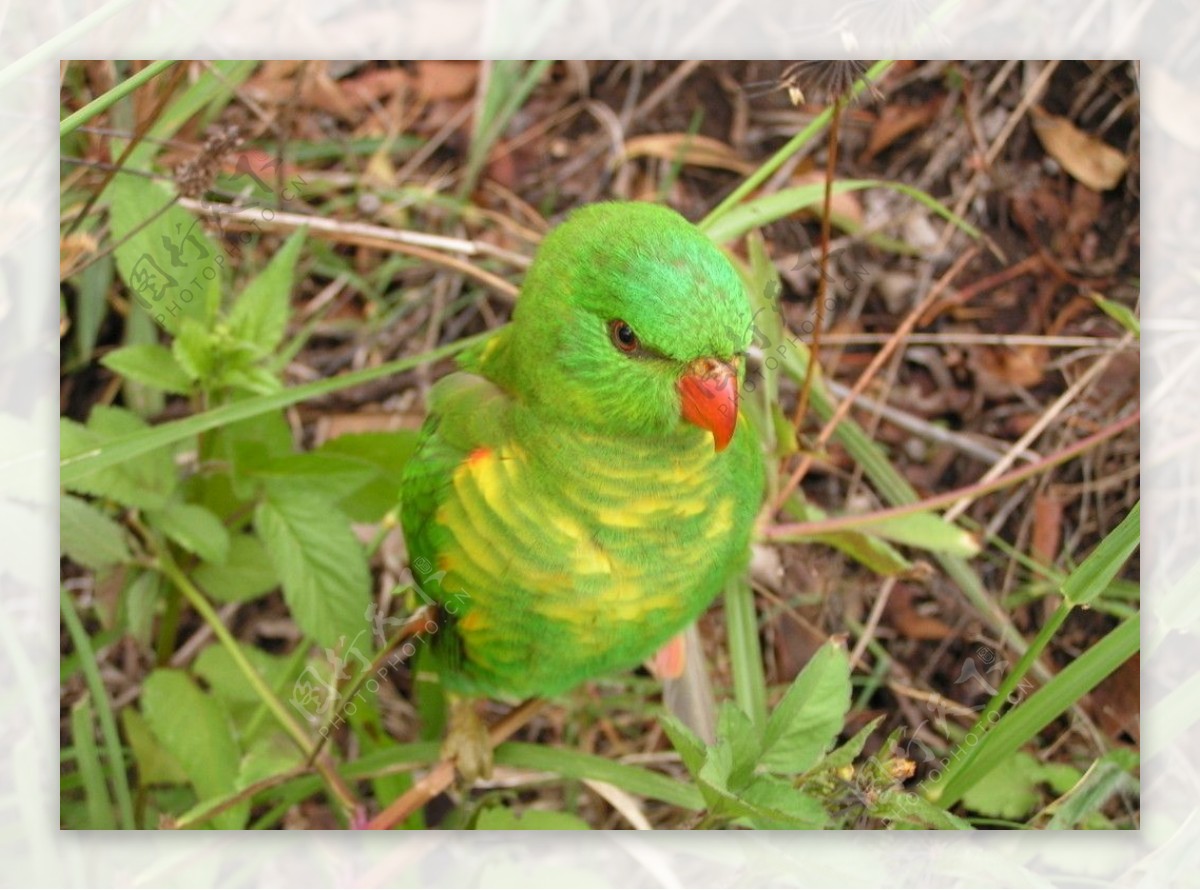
{"x": 467, "y": 742}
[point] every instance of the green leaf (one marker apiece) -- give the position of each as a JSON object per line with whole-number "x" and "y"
{"x": 1095, "y": 573}
{"x": 738, "y": 732}
{"x": 172, "y": 268}
{"x": 195, "y": 730}
{"x": 689, "y": 748}
{"x": 387, "y": 454}
{"x": 87, "y": 757}
{"x": 139, "y": 601}
{"x": 155, "y": 764}
{"x": 1020, "y": 724}
{"x": 194, "y": 351}
{"x": 329, "y": 476}
{"x": 86, "y": 461}
{"x": 908, "y": 809}
{"x": 1122, "y": 314}
{"x": 245, "y": 573}
{"x": 260, "y": 314}
{"x": 322, "y": 565}
{"x": 146, "y": 482}
{"x": 757, "y": 213}
{"x": 846, "y": 754}
{"x": 93, "y": 285}
{"x": 1108, "y": 776}
{"x": 193, "y": 528}
{"x": 149, "y": 364}
{"x": 872, "y": 552}
{"x": 504, "y": 819}
{"x": 928, "y": 531}
{"x": 216, "y": 666}
{"x": 90, "y": 537}
{"x": 1009, "y": 791}
{"x": 806, "y": 722}
{"x": 780, "y": 805}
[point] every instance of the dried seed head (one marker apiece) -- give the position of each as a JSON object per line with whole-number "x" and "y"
{"x": 821, "y": 81}
{"x": 195, "y": 177}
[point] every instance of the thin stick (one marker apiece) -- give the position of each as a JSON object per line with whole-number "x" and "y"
{"x": 877, "y": 362}
{"x": 441, "y": 776}
{"x": 1037, "y": 429}
{"x": 864, "y": 639}
{"x": 823, "y": 278}
{"x": 418, "y": 244}
{"x": 791, "y": 530}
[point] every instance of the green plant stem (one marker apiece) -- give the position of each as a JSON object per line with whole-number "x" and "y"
{"x": 200, "y": 603}
{"x": 745, "y": 653}
{"x": 116, "y": 94}
{"x": 104, "y": 714}
{"x": 777, "y": 160}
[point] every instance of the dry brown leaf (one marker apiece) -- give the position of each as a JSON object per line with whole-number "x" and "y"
{"x": 687, "y": 148}
{"x": 896, "y": 121}
{"x": 844, "y": 205}
{"x": 446, "y": 80}
{"x": 1002, "y": 368}
{"x": 1047, "y": 528}
{"x": 1092, "y": 161}
{"x": 374, "y": 85}
{"x": 903, "y": 615}
{"x": 72, "y": 248}
{"x": 1116, "y": 701}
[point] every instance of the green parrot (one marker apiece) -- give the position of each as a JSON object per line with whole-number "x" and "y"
{"x": 585, "y": 485}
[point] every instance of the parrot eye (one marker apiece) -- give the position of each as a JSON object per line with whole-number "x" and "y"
{"x": 622, "y": 335}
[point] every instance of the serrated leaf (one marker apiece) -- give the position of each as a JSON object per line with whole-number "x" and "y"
{"x": 1009, "y": 791}
{"x": 90, "y": 537}
{"x": 193, "y": 528}
{"x": 195, "y": 729}
{"x": 149, "y": 364}
{"x": 689, "y": 748}
{"x": 388, "y": 454}
{"x": 144, "y": 482}
{"x": 779, "y": 805}
{"x": 225, "y": 679}
{"x": 806, "y": 722}
{"x": 246, "y": 572}
{"x": 170, "y": 265}
{"x": 194, "y": 351}
{"x": 327, "y": 475}
{"x": 906, "y": 809}
{"x": 260, "y": 314}
{"x": 504, "y": 819}
{"x": 321, "y": 563}
{"x": 847, "y": 753}
{"x": 738, "y": 732}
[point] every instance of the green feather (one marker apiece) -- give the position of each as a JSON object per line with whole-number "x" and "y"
{"x": 558, "y": 506}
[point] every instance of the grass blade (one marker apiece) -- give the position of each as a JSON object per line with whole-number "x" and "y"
{"x": 108, "y": 726}
{"x": 116, "y": 451}
{"x": 1022, "y": 723}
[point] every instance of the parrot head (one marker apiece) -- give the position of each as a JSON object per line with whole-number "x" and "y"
{"x": 632, "y": 322}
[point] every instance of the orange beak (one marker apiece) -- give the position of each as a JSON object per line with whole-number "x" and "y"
{"x": 709, "y": 398}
